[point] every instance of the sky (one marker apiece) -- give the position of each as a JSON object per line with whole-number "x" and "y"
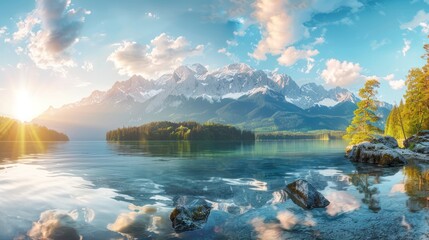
{"x": 55, "y": 52}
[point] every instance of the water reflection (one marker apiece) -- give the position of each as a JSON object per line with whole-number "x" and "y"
{"x": 365, "y": 184}
{"x": 416, "y": 186}
{"x": 15, "y": 150}
{"x": 55, "y": 225}
{"x": 179, "y": 148}
{"x": 366, "y": 178}
{"x": 148, "y": 221}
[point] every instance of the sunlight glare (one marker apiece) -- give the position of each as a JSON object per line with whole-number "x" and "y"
{"x": 23, "y": 105}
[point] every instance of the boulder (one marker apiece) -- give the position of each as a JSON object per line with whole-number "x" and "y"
{"x": 189, "y": 214}
{"x": 375, "y": 153}
{"x": 305, "y": 195}
{"x": 387, "y": 141}
{"x": 419, "y": 142}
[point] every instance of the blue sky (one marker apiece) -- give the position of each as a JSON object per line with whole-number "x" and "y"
{"x": 55, "y": 52}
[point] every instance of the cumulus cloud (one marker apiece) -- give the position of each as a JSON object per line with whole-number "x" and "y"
{"x": 55, "y": 225}
{"x": 162, "y": 55}
{"x": 397, "y": 84}
{"x": 51, "y": 29}
{"x": 339, "y": 73}
{"x": 25, "y": 27}
{"x": 341, "y": 202}
{"x": 389, "y": 77}
{"x": 394, "y": 84}
{"x": 421, "y": 19}
{"x": 283, "y": 22}
{"x": 291, "y": 55}
{"x": 406, "y": 48}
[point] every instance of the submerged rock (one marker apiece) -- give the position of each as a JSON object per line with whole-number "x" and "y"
{"x": 375, "y": 153}
{"x": 419, "y": 142}
{"x": 189, "y": 214}
{"x": 305, "y": 195}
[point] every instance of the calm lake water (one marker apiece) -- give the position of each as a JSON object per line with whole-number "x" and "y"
{"x": 101, "y": 190}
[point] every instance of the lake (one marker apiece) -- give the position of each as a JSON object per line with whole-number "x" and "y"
{"x": 101, "y": 190}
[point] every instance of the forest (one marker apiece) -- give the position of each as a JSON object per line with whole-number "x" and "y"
{"x": 179, "y": 131}
{"x": 13, "y": 130}
{"x": 406, "y": 119}
{"x": 412, "y": 114}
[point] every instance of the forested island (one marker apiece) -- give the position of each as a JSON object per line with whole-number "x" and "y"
{"x": 13, "y": 130}
{"x": 180, "y": 131}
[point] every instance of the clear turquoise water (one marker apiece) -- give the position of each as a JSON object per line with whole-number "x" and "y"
{"x": 124, "y": 191}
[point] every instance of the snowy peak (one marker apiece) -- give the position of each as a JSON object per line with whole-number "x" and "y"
{"x": 198, "y": 69}
{"x": 232, "y": 81}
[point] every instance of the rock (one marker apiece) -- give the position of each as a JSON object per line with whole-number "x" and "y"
{"x": 387, "y": 141}
{"x": 305, "y": 195}
{"x": 419, "y": 142}
{"x": 189, "y": 214}
{"x": 375, "y": 153}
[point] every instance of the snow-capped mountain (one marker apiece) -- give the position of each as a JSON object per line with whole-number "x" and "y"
{"x": 230, "y": 82}
{"x": 235, "y": 94}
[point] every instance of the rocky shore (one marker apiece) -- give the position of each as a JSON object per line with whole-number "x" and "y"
{"x": 384, "y": 150}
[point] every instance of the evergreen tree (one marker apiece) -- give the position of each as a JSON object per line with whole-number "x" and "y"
{"x": 416, "y": 111}
{"x": 362, "y": 128}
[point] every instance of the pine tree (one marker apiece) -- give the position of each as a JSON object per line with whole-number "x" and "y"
{"x": 362, "y": 128}
{"x": 416, "y": 109}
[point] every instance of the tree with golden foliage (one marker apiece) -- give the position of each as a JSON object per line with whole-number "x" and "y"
{"x": 362, "y": 126}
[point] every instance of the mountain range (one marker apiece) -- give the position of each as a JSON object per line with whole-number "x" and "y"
{"x": 235, "y": 94}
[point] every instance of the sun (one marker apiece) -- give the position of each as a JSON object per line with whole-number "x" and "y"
{"x": 23, "y": 105}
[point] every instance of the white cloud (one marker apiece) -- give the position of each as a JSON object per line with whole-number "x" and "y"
{"x": 389, "y": 77}
{"x": 3, "y": 31}
{"x": 233, "y": 43}
{"x": 224, "y": 51}
{"x": 421, "y": 19}
{"x": 151, "y": 15}
{"x": 19, "y": 50}
{"x": 394, "y": 84}
{"x": 283, "y": 22}
{"x": 407, "y": 46}
{"x": 341, "y": 73}
{"x": 375, "y": 44}
{"x": 319, "y": 40}
{"x": 291, "y": 55}
{"x": 88, "y": 66}
{"x": 162, "y": 55}
{"x": 397, "y": 84}
{"x": 25, "y": 26}
{"x": 51, "y": 29}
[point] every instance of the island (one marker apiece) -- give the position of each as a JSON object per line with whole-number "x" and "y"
{"x": 180, "y": 131}
{"x": 12, "y": 130}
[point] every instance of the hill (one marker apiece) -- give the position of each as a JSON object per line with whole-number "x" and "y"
{"x": 13, "y": 130}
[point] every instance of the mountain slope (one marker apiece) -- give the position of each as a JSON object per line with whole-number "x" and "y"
{"x": 235, "y": 94}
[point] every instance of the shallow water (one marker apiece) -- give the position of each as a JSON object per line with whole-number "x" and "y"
{"x": 99, "y": 190}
